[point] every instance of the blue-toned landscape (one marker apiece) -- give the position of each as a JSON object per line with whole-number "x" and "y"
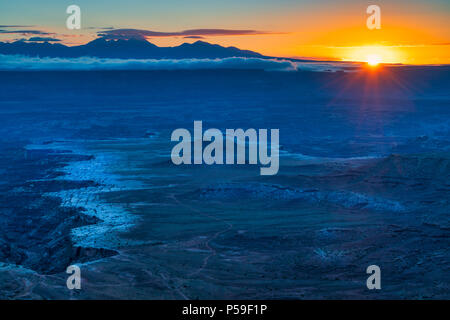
{"x": 87, "y": 178}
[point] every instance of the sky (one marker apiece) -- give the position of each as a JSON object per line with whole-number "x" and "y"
{"x": 413, "y": 32}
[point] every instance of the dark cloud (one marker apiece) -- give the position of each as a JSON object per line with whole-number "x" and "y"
{"x": 194, "y": 37}
{"x": 14, "y": 26}
{"x": 25, "y": 32}
{"x": 99, "y": 28}
{"x": 143, "y": 34}
{"x": 47, "y": 39}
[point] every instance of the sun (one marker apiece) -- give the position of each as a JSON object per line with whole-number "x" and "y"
{"x": 373, "y": 60}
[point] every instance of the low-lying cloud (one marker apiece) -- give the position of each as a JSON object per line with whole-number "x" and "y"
{"x": 16, "y": 62}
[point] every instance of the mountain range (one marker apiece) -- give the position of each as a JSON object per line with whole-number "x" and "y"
{"x": 124, "y": 49}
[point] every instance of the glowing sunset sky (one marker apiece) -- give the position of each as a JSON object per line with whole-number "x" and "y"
{"x": 411, "y": 31}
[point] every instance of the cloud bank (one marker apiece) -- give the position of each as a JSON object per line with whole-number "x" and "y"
{"x": 15, "y": 26}
{"x": 16, "y": 62}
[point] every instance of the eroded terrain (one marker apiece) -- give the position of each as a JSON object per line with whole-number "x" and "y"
{"x": 86, "y": 178}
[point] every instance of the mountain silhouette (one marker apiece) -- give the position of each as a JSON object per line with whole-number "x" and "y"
{"x": 124, "y": 49}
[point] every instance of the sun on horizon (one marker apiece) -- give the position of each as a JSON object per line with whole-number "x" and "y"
{"x": 374, "y": 55}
